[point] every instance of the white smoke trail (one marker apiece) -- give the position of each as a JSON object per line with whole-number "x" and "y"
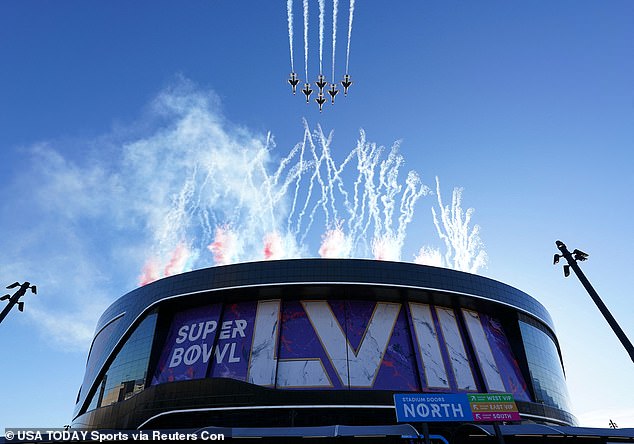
{"x": 293, "y": 226}
{"x": 379, "y": 201}
{"x": 289, "y": 12}
{"x": 351, "y": 15}
{"x": 306, "y": 38}
{"x": 387, "y": 242}
{"x": 365, "y": 196}
{"x": 316, "y": 177}
{"x": 413, "y": 191}
{"x": 464, "y": 248}
{"x": 335, "y": 9}
{"x": 388, "y": 181}
{"x": 322, "y": 12}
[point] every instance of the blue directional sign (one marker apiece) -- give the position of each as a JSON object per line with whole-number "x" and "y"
{"x": 421, "y": 407}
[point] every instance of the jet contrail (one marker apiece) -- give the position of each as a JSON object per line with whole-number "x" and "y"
{"x": 306, "y": 37}
{"x": 289, "y": 10}
{"x": 322, "y": 10}
{"x": 335, "y": 7}
{"x": 349, "y": 33}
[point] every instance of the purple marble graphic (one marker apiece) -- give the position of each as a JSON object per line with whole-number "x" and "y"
{"x": 303, "y": 361}
{"x": 506, "y": 362}
{"x": 340, "y": 345}
{"x": 233, "y": 347}
{"x": 398, "y": 368}
{"x": 188, "y": 346}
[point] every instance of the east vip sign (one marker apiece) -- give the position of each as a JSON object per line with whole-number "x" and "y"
{"x": 459, "y": 407}
{"x": 333, "y": 344}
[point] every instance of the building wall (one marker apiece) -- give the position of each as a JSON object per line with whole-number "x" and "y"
{"x": 333, "y": 332}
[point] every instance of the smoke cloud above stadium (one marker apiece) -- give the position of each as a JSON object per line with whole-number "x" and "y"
{"x": 183, "y": 189}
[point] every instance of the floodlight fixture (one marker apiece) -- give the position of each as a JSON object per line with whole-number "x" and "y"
{"x": 566, "y": 270}
{"x": 556, "y": 259}
{"x": 580, "y": 255}
{"x": 15, "y": 299}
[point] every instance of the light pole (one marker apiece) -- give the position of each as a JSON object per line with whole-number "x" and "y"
{"x": 580, "y": 256}
{"x": 16, "y": 297}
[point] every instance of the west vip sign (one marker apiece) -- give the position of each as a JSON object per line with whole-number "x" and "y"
{"x": 459, "y": 407}
{"x": 338, "y": 344}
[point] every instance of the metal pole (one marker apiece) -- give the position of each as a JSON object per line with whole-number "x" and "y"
{"x": 8, "y": 308}
{"x": 426, "y": 433}
{"x": 498, "y": 433}
{"x": 597, "y": 300}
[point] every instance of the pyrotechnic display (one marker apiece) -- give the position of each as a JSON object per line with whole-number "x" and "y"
{"x": 321, "y": 81}
{"x": 360, "y": 206}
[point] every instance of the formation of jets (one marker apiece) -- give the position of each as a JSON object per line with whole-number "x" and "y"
{"x": 321, "y": 84}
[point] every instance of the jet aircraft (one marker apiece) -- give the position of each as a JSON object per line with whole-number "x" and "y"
{"x": 333, "y": 92}
{"x": 293, "y": 81}
{"x": 320, "y": 99}
{"x": 307, "y": 91}
{"x": 321, "y": 82}
{"x": 346, "y": 82}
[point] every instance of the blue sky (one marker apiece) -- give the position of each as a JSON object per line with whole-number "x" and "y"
{"x": 528, "y": 106}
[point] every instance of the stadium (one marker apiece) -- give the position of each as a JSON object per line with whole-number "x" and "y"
{"x": 308, "y": 343}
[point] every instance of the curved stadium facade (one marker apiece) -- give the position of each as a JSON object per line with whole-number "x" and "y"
{"x": 315, "y": 342}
